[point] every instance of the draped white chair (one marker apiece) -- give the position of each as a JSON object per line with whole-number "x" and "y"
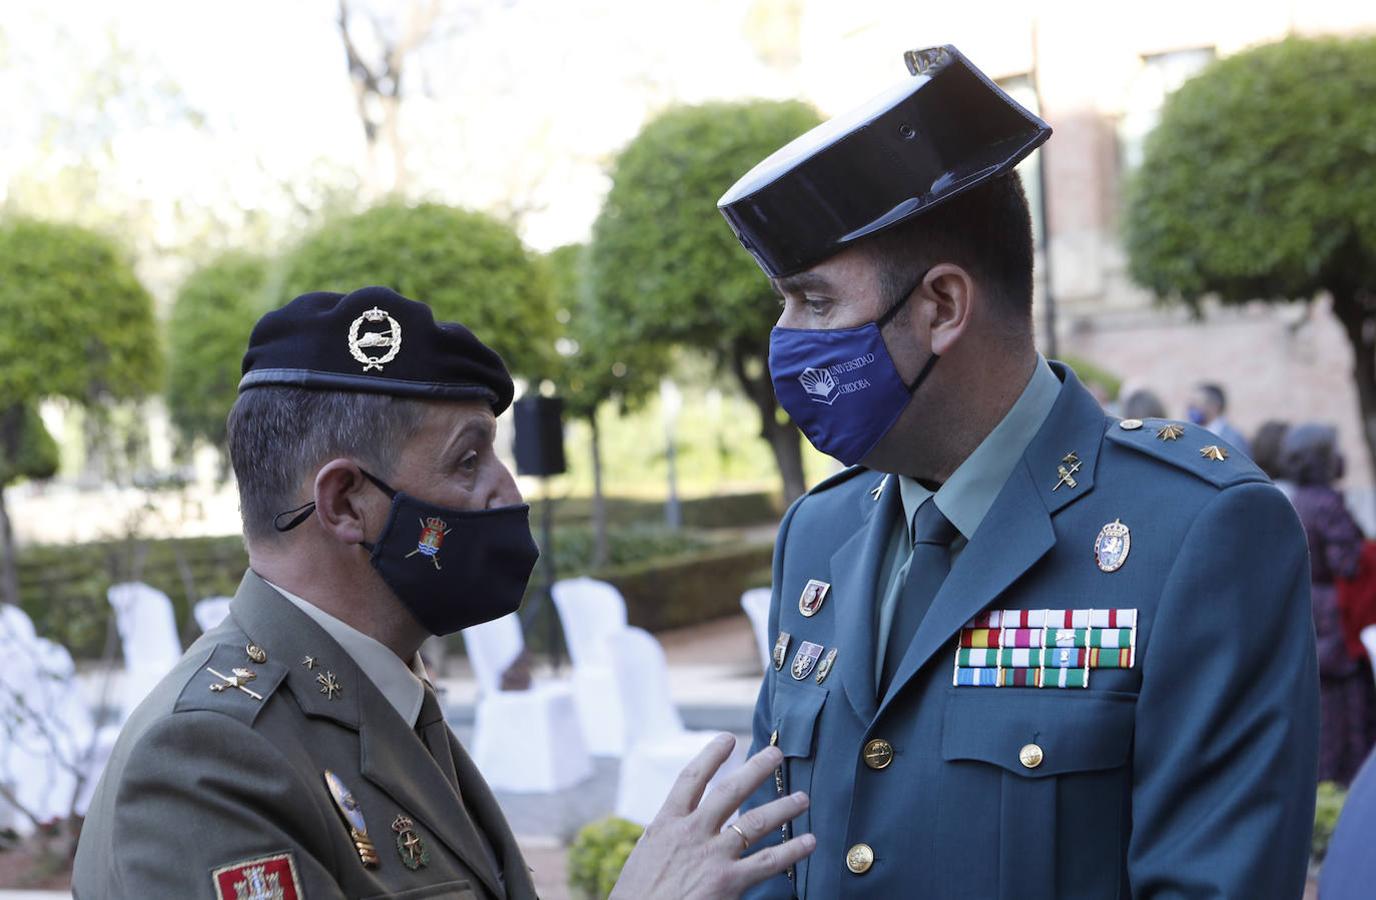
{"x": 210, "y": 612}
{"x": 1368, "y": 636}
{"x": 148, "y": 636}
{"x": 589, "y": 611}
{"x": 658, "y": 746}
{"x": 523, "y": 741}
{"x": 755, "y": 602}
{"x": 48, "y": 739}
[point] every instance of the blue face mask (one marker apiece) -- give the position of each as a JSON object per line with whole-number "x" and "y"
{"x": 840, "y": 386}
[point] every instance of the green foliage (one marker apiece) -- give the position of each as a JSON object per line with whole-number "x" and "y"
{"x": 663, "y": 265}
{"x": 468, "y": 266}
{"x": 1090, "y": 373}
{"x": 597, "y": 361}
{"x": 1260, "y": 180}
{"x": 689, "y": 589}
{"x": 36, "y": 456}
{"x": 1328, "y": 807}
{"x": 77, "y": 323}
{"x": 598, "y": 855}
{"x": 212, "y": 316}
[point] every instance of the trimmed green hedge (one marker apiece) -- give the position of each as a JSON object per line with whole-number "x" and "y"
{"x": 724, "y": 511}
{"x": 687, "y": 590}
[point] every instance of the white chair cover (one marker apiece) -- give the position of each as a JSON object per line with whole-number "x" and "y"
{"x": 47, "y": 737}
{"x": 148, "y": 636}
{"x": 1368, "y": 636}
{"x": 659, "y": 746}
{"x": 210, "y": 612}
{"x": 523, "y": 741}
{"x": 589, "y": 610}
{"x": 755, "y": 602}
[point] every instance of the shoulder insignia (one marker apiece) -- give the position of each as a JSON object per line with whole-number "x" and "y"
{"x": 227, "y": 682}
{"x": 839, "y": 478}
{"x": 1190, "y": 447}
{"x": 264, "y": 876}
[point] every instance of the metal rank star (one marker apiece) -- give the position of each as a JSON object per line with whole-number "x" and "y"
{"x": 1170, "y": 432}
{"x": 1070, "y": 464}
{"x": 240, "y": 678}
{"x": 309, "y": 662}
{"x": 1213, "y": 452}
{"x": 414, "y": 853}
{"x": 329, "y": 685}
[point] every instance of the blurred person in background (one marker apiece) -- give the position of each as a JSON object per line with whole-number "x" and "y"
{"x": 1208, "y": 407}
{"x": 1266, "y": 453}
{"x": 1143, "y": 404}
{"x": 1347, "y": 697}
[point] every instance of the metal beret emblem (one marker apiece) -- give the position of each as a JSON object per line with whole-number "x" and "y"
{"x": 388, "y": 341}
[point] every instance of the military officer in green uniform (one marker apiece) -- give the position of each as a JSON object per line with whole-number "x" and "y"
{"x": 298, "y": 749}
{"x": 1022, "y": 650}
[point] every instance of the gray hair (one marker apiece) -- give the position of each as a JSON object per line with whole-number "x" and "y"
{"x": 278, "y": 436}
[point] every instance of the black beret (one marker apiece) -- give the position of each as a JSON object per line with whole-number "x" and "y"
{"x": 374, "y": 341}
{"x": 931, "y": 137}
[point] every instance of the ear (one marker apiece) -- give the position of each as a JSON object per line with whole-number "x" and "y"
{"x": 948, "y": 292}
{"x": 342, "y": 500}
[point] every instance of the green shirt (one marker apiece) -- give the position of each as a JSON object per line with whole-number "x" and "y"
{"x": 966, "y": 497}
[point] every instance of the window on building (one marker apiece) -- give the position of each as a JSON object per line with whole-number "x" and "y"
{"x": 1160, "y": 74}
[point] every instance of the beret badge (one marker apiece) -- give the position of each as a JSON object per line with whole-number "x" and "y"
{"x": 388, "y": 341}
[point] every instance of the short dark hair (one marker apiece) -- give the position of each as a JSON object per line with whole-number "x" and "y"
{"x": 1215, "y": 394}
{"x": 1266, "y": 447}
{"x": 986, "y": 230}
{"x": 278, "y": 435}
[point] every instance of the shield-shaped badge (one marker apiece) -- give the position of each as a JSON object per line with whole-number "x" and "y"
{"x": 824, "y": 667}
{"x": 811, "y": 599}
{"x": 432, "y": 532}
{"x": 806, "y": 659}
{"x": 1112, "y": 545}
{"x": 781, "y": 649}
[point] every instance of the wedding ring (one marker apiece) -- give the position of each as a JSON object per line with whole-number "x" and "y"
{"x": 745, "y": 841}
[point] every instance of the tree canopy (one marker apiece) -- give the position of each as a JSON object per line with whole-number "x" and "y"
{"x": 467, "y": 266}
{"x": 1260, "y": 180}
{"x": 665, "y": 267}
{"x": 207, "y": 334}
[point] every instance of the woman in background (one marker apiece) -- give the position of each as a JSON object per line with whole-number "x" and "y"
{"x": 1347, "y": 696}
{"x": 1266, "y": 453}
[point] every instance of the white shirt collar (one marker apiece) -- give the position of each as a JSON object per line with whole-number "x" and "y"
{"x": 402, "y": 685}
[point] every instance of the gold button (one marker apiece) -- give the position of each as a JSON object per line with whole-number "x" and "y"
{"x": 1031, "y": 756}
{"x": 859, "y": 858}
{"x": 878, "y": 754}
{"x": 1130, "y": 424}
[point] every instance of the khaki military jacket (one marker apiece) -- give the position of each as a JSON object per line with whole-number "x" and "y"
{"x": 216, "y": 787}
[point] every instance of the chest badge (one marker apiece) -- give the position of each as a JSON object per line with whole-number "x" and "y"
{"x": 412, "y": 849}
{"x": 810, "y": 601}
{"x": 824, "y": 667}
{"x": 805, "y": 660}
{"x": 385, "y": 343}
{"x": 1112, "y": 545}
{"x": 781, "y": 649}
{"x": 353, "y": 817}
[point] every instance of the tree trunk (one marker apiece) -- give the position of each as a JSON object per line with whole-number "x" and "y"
{"x": 1354, "y": 310}
{"x": 599, "y": 502}
{"x": 9, "y": 562}
{"x": 783, "y": 437}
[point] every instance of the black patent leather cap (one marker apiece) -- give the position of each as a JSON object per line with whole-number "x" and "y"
{"x": 373, "y": 341}
{"x": 929, "y": 138}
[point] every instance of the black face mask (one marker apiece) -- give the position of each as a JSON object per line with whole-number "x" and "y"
{"x": 451, "y": 568}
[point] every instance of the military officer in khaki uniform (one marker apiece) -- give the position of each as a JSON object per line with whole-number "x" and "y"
{"x": 298, "y": 749}
{"x": 1023, "y": 650}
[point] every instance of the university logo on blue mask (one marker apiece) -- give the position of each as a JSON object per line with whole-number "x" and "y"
{"x": 840, "y": 386}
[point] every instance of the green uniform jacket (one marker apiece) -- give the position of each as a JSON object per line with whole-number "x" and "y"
{"x": 216, "y": 794}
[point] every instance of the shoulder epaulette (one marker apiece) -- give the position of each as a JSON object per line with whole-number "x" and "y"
{"x": 230, "y": 681}
{"x": 839, "y": 478}
{"x": 1190, "y": 447}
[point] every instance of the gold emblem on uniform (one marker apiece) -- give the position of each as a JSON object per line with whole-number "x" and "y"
{"x": 781, "y": 649}
{"x": 1170, "y": 432}
{"x": 1112, "y": 545}
{"x": 388, "y": 341}
{"x": 859, "y": 858}
{"x": 824, "y": 667}
{"x": 412, "y": 849}
{"x": 353, "y": 817}
{"x": 1213, "y": 452}
{"x": 255, "y": 653}
{"x": 239, "y": 679}
{"x": 1031, "y": 756}
{"x": 329, "y": 685}
{"x": 810, "y": 601}
{"x": 1070, "y": 464}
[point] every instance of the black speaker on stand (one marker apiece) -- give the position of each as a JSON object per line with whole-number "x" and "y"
{"x": 540, "y": 452}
